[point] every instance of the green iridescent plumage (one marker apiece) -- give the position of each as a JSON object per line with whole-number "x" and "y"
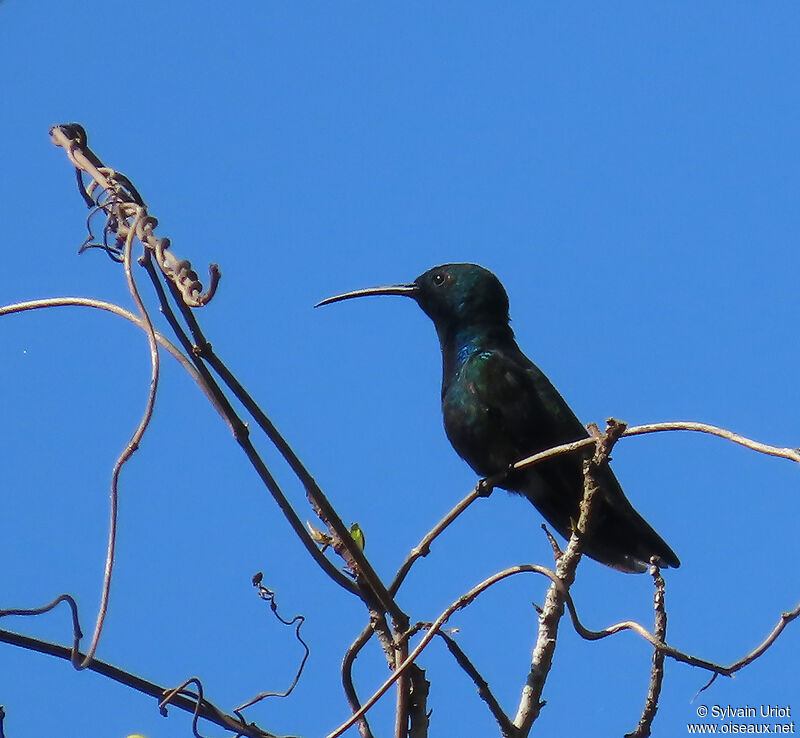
{"x": 498, "y": 407}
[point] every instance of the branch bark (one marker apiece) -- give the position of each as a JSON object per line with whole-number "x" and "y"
{"x": 531, "y": 704}
{"x": 657, "y": 671}
{"x": 207, "y": 710}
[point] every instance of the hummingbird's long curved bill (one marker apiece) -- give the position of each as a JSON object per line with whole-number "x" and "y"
{"x": 407, "y": 290}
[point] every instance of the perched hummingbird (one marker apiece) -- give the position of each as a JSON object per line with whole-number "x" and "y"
{"x": 499, "y": 407}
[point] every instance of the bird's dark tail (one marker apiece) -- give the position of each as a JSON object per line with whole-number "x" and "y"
{"x": 618, "y": 535}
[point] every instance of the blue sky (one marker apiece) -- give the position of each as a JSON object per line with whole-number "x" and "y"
{"x": 629, "y": 171}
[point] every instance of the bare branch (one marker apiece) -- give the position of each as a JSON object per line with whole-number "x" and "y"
{"x": 424, "y": 546}
{"x": 343, "y": 542}
{"x": 530, "y": 703}
{"x": 584, "y": 632}
{"x": 507, "y": 728}
{"x": 347, "y": 679}
{"x": 657, "y": 671}
{"x": 402, "y": 691}
{"x": 792, "y": 454}
{"x": 557, "y": 552}
{"x": 207, "y": 710}
{"x": 371, "y": 588}
{"x": 240, "y": 431}
{"x": 110, "y": 307}
{"x": 418, "y": 722}
{"x": 674, "y": 653}
{"x": 114, "y": 195}
{"x": 783, "y": 621}
{"x": 458, "y": 604}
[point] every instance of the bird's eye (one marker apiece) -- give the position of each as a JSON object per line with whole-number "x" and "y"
{"x": 438, "y": 279}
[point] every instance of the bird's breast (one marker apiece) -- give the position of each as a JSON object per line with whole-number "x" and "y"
{"x": 473, "y": 419}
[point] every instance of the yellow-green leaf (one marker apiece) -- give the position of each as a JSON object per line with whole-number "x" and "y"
{"x": 358, "y": 535}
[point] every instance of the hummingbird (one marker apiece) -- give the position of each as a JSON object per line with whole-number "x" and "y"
{"x": 499, "y": 407}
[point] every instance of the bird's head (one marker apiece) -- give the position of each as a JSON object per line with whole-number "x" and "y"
{"x": 450, "y": 294}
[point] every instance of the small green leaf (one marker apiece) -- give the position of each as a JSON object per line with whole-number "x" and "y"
{"x": 358, "y": 535}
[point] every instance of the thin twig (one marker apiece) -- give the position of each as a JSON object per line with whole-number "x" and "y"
{"x": 153, "y": 338}
{"x": 130, "y": 449}
{"x": 170, "y": 694}
{"x": 793, "y": 454}
{"x": 674, "y": 653}
{"x": 379, "y": 626}
{"x": 507, "y": 728}
{"x": 347, "y": 678}
{"x": 110, "y": 307}
{"x": 269, "y": 596}
{"x": 77, "y": 634}
{"x": 557, "y": 552}
{"x": 657, "y": 671}
{"x": 424, "y": 546}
